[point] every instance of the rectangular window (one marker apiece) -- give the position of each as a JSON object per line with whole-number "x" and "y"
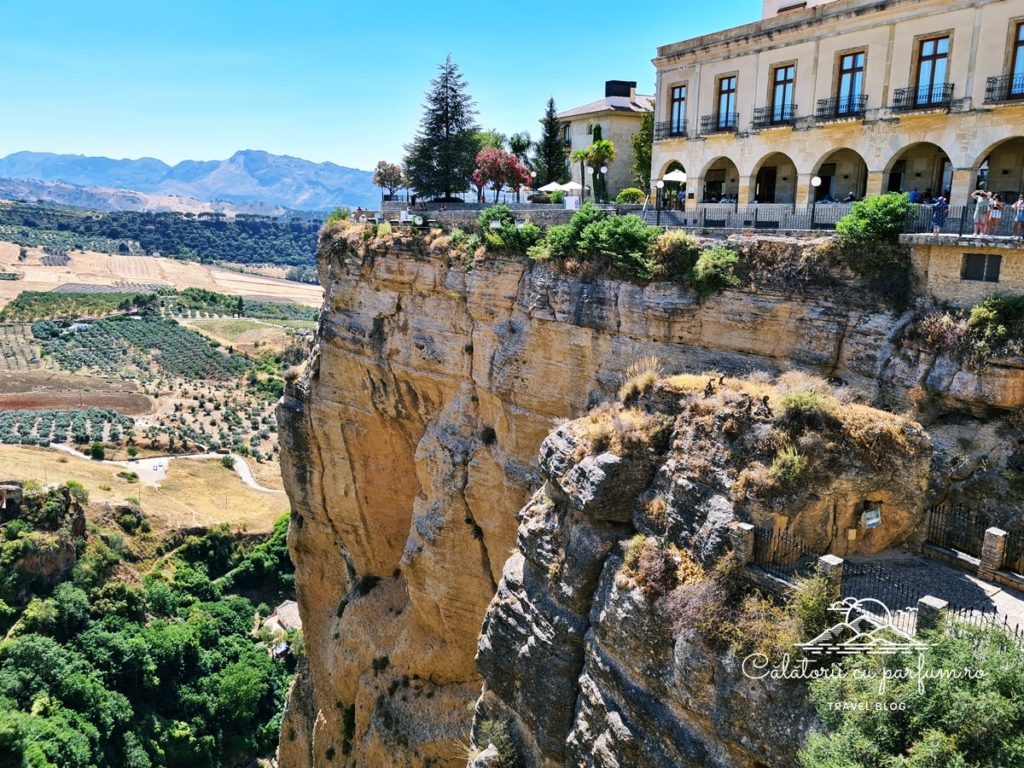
{"x": 851, "y": 83}
{"x": 932, "y": 68}
{"x": 983, "y": 267}
{"x": 782, "y": 93}
{"x": 726, "y": 103}
{"x": 1017, "y": 73}
{"x": 566, "y": 135}
{"x": 677, "y": 125}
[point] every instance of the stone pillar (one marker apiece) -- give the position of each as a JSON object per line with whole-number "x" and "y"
{"x": 875, "y": 183}
{"x": 992, "y": 552}
{"x": 742, "y": 537}
{"x": 831, "y": 567}
{"x": 744, "y": 194}
{"x": 804, "y": 190}
{"x": 929, "y": 612}
{"x": 964, "y": 182}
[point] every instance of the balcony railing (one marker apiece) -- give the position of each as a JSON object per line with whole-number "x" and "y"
{"x": 937, "y": 96}
{"x": 1004, "y": 88}
{"x": 783, "y": 114}
{"x": 669, "y": 130}
{"x": 837, "y": 109}
{"x": 724, "y": 122}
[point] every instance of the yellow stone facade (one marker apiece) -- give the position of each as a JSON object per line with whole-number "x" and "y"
{"x": 975, "y": 132}
{"x": 939, "y": 262}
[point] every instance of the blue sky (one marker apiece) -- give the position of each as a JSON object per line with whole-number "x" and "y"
{"x": 338, "y": 81}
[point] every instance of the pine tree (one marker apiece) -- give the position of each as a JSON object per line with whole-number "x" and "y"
{"x": 550, "y": 160}
{"x": 440, "y": 159}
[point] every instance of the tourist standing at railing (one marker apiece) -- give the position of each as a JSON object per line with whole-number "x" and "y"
{"x": 981, "y": 206}
{"x": 995, "y": 215}
{"x": 1018, "y": 218}
{"x": 939, "y": 210}
{"x": 914, "y": 196}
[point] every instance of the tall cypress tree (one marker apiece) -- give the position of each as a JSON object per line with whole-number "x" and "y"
{"x": 440, "y": 159}
{"x": 550, "y": 160}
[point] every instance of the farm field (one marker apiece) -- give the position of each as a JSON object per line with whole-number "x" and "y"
{"x": 123, "y": 271}
{"x": 58, "y": 389}
{"x": 194, "y": 492}
{"x": 248, "y": 335}
{"x": 19, "y": 351}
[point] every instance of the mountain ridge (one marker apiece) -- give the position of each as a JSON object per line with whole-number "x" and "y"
{"x": 248, "y": 176}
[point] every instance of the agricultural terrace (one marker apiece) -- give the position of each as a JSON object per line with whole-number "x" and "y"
{"x": 18, "y": 350}
{"x": 92, "y": 425}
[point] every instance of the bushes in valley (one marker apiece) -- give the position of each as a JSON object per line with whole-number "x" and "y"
{"x": 970, "y": 721}
{"x": 162, "y": 673}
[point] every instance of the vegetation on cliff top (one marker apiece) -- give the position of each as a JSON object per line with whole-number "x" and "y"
{"x": 131, "y": 661}
{"x": 991, "y": 328}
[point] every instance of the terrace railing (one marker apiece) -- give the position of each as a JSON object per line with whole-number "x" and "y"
{"x": 782, "y": 114}
{"x": 669, "y": 130}
{"x": 1004, "y": 88}
{"x": 938, "y": 96}
{"x": 839, "y": 109}
{"x": 723, "y": 122}
{"x": 957, "y": 528}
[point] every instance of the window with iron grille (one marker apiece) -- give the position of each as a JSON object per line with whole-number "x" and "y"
{"x": 726, "y": 101}
{"x": 983, "y": 267}
{"x": 782, "y": 93}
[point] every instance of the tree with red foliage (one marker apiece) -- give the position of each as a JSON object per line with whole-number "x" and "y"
{"x": 499, "y": 169}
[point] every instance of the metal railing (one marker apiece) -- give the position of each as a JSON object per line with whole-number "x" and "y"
{"x": 781, "y": 114}
{"x": 782, "y": 555}
{"x": 669, "y": 130}
{"x": 958, "y": 528}
{"x": 1004, "y": 88}
{"x": 724, "y": 122}
{"x": 937, "y": 96}
{"x": 863, "y": 581}
{"x": 985, "y": 618}
{"x": 838, "y": 109}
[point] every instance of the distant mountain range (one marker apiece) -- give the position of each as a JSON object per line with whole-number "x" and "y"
{"x": 248, "y": 176}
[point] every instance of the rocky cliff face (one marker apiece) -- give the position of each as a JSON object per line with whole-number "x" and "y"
{"x": 410, "y": 443}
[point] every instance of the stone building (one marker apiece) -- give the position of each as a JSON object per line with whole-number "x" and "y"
{"x": 868, "y": 96}
{"x": 965, "y": 270}
{"x": 619, "y": 115}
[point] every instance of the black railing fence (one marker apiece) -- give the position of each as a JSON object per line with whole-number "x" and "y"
{"x": 1004, "y": 88}
{"x": 939, "y": 95}
{"x": 986, "y": 618}
{"x": 669, "y": 130}
{"x": 782, "y": 555}
{"x": 1013, "y": 557}
{"x": 836, "y": 108}
{"x": 873, "y": 582}
{"x": 720, "y": 122}
{"x": 955, "y": 527}
{"x": 782, "y": 114}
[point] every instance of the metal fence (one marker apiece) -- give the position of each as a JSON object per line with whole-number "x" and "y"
{"x": 986, "y": 618}
{"x": 1013, "y": 557}
{"x": 871, "y": 581}
{"x": 956, "y": 527}
{"x": 782, "y": 555}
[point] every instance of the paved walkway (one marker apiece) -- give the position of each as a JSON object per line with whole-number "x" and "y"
{"x": 918, "y": 576}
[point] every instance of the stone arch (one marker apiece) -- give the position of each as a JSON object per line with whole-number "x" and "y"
{"x": 671, "y": 197}
{"x": 773, "y": 179}
{"x": 1001, "y": 167}
{"x": 842, "y": 171}
{"x": 720, "y": 176}
{"x": 922, "y": 165}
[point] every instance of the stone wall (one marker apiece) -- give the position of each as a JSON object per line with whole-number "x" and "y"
{"x": 937, "y": 262}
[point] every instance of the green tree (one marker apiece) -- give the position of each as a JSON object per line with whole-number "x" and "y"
{"x": 440, "y": 159}
{"x": 490, "y": 139}
{"x": 643, "y": 148}
{"x": 240, "y": 306}
{"x": 389, "y": 176}
{"x": 549, "y": 154}
{"x": 97, "y": 451}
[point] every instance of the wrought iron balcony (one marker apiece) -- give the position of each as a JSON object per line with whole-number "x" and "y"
{"x": 838, "y": 109}
{"x": 938, "y": 96}
{"x": 724, "y": 122}
{"x": 783, "y": 114}
{"x": 669, "y": 130}
{"x": 1004, "y": 88}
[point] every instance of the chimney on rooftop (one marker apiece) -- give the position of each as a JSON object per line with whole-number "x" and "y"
{"x": 625, "y": 88}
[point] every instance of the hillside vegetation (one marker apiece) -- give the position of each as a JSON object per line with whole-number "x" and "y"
{"x": 140, "y": 653}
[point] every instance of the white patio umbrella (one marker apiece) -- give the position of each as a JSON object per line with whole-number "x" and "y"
{"x": 572, "y": 186}
{"x": 676, "y": 175}
{"x": 554, "y": 186}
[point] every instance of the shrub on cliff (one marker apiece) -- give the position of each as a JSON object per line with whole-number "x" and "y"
{"x": 507, "y": 236}
{"x": 714, "y": 270}
{"x": 995, "y": 327}
{"x": 675, "y": 252}
{"x": 337, "y": 215}
{"x": 624, "y": 240}
{"x": 875, "y": 220}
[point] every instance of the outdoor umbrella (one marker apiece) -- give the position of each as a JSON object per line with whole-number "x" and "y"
{"x": 679, "y": 176}
{"x": 554, "y": 186}
{"x": 572, "y": 186}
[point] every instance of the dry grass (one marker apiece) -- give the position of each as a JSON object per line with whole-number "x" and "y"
{"x": 248, "y": 335}
{"x": 612, "y": 428}
{"x": 641, "y": 376}
{"x": 194, "y": 493}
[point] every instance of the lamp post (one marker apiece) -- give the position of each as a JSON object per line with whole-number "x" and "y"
{"x": 533, "y": 184}
{"x": 815, "y": 183}
{"x": 604, "y": 183}
{"x": 590, "y": 175}
{"x": 682, "y": 183}
{"x": 660, "y": 185}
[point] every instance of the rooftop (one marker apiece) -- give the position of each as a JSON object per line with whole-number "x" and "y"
{"x": 638, "y": 103}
